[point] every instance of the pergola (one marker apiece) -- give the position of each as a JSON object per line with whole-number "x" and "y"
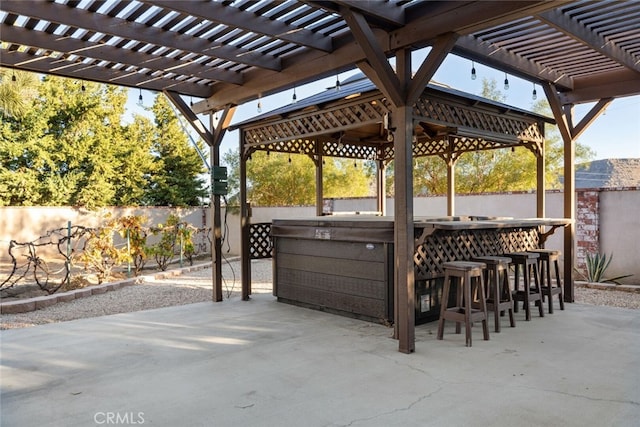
{"x": 230, "y": 52}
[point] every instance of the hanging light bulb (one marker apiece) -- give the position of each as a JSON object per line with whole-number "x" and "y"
{"x": 289, "y": 158}
{"x": 473, "y": 71}
{"x": 191, "y": 101}
{"x": 259, "y": 104}
{"x": 140, "y": 98}
{"x": 506, "y": 82}
{"x": 13, "y": 77}
{"x": 534, "y": 94}
{"x": 294, "y": 98}
{"x": 337, "y": 82}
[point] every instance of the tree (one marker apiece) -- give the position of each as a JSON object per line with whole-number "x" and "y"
{"x": 64, "y": 144}
{"x": 494, "y": 170}
{"x": 177, "y": 167}
{"x": 279, "y": 179}
{"x": 17, "y": 91}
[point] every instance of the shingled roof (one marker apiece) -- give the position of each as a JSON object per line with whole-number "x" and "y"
{"x": 608, "y": 173}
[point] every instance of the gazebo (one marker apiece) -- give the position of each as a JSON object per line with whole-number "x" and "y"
{"x": 354, "y": 121}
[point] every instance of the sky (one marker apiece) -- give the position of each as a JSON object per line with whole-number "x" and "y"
{"x": 615, "y": 134}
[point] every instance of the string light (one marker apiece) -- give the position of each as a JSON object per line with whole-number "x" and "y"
{"x": 13, "y": 77}
{"x": 473, "y": 71}
{"x": 337, "y": 82}
{"x": 294, "y": 98}
{"x": 140, "y": 98}
{"x": 191, "y": 101}
{"x": 259, "y": 104}
{"x": 534, "y": 94}
{"x": 506, "y": 82}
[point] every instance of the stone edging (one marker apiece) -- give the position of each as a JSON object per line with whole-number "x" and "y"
{"x": 31, "y": 304}
{"x": 608, "y": 286}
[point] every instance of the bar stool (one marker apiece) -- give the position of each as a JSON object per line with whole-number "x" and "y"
{"x": 499, "y": 298}
{"x": 528, "y": 262}
{"x": 548, "y": 256}
{"x": 467, "y": 273}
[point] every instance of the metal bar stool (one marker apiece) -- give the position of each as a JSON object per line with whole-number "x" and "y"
{"x": 467, "y": 273}
{"x": 528, "y": 263}
{"x": 499, "y": 298}
{"x": 548, "y": 256}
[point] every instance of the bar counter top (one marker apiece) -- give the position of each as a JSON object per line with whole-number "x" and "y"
{"x": 443, "y": 223}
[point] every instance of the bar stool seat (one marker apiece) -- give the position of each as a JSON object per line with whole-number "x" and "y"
{"x": 499, "y": 298}
{"x": 548, "y": 256}
{"x": 467, "y": 273}
{"x": 528, "y": 263}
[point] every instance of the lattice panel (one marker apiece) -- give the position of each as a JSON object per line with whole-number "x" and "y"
{"x": 260, "y": 242}
{"x": 458, "y": 115}
{"x": 318, "y": 122}
{"x": 349, "y": 151}
{"x": 431, "y": 147}
{"x": 444, "y": 246}
{"x": 297, "y": 146}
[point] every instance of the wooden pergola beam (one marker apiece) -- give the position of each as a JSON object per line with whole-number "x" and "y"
{"x": 579, "y": 32}
{"x": 231, "y": 16}
{"x": 105, "y": 52}
{"x": 564, "y": 121}
{"x": 590, "y": 117}
{"x": 462, "y": 17}
{"x": 61, "y": 14}
{"x": 76, "y": 69}
{"x": 378, "y": 68}
{"x": 611, "y": 84}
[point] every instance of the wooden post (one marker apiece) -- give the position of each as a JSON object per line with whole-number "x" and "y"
{"x": 541, "y": 178}
{"x": 381, "y": 188}
{"x": 319, "y": 175}
{"x": 216, "y": 243}
{"x": 563, "y": 116}
{"x": 244, "y": 225}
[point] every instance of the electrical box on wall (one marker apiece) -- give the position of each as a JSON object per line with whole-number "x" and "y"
{"x": 219, "y": 173}
{"x": 219, "y": 181}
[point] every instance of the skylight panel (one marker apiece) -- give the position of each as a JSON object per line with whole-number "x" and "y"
{"x": 61, "y": 30}
{"x": 21, "y": 21}
{"x": 132, "y": 6}
{"x": 213, "y": 30}
{"x": 114, "y": 40}
{"x": 148, "y": 14}
{"x": 184, "y": 22}
{"x": 257, "y": 5}
{"x": 169, "y": 16}
{"x": 96, "y": 37}
{"x": 78, "y": 33}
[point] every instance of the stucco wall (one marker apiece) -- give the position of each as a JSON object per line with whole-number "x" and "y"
{"x": 619, "y": 221}
{"x": 617, "y": 211}
{"x": 26, "y": 224}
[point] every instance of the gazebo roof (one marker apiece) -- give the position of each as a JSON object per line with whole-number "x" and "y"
{"x": 360, "y": 84}
{"x": 351, "y": 122}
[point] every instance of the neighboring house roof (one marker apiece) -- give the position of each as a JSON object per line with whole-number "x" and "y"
{"x": 608, "y": 173}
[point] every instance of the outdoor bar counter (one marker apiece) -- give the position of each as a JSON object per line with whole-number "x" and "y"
{"x": 344, "y": 264}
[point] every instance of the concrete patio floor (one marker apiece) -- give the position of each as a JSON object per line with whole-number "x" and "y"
{"x": 264, "y": 363}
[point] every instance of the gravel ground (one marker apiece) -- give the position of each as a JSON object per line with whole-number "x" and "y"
{"x": 195, "y": 287}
